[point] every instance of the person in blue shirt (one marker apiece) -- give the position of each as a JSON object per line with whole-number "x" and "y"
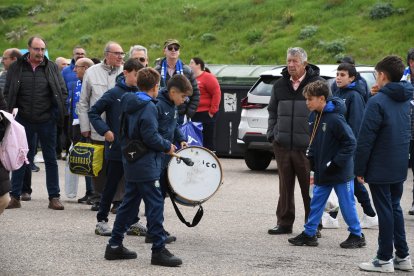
{"x": 381, "y": 160}
{"x": 110, "y": 103}
{"x": 143, "y": 173}
{"x": 330, "y": 152}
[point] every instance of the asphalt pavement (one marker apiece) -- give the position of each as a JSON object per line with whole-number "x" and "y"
{"x": 231, "y": 239}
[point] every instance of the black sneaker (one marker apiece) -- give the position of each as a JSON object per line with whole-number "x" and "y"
{"x": 34, "y": 167}
{"x": 95, "y": 206}
{"x": 303, "y": 239}
{"x": 168, "y": 239}
{"x": 83, "y": 199}
{"x": 353, "y": 241}
{"x": 165, "y": 258}
{"x": 119, "y": 253}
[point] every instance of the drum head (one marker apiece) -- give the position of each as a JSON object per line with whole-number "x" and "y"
{"x": 196, "y": 183}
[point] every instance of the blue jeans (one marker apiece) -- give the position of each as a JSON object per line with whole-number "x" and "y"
{"x": 46, "y": 133}
{"x": 386, "y": 198}
{"x": 345, "y": 193}
{"x": 150, "y": 192}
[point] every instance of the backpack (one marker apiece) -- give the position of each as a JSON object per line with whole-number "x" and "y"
{"x": 13, "y": 147}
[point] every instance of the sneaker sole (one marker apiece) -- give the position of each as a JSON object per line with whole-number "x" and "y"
{"x": 169, "y": 264}
{"x": 375, "y": 269}
{"x": 111, "y": 257}
{"x": 103, "y": 234}
{"x": 302, "y": 244}
{"x": 353, "y": 246}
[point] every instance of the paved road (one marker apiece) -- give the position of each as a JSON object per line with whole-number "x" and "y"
{"x": 231, "y": 239}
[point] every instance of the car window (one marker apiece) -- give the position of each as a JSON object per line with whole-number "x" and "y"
{"x": 369, "y": 77}
{"x": 264, "y": 86}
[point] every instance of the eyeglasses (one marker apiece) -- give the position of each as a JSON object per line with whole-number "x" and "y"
{"x": 141, "y": 59}
{"x": 38, "y": 49}
{"x": 120, "y": 54}
{"x": 171, "y": 47}
{"x": 80, "y": 54}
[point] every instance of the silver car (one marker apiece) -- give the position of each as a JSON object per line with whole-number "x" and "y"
{"x": 254, "y": 116}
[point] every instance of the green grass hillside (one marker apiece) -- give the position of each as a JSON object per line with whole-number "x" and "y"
{"x": 234, "y": 32}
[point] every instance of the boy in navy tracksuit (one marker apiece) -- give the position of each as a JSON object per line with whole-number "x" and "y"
{"x": 142, "y": 175}
{"x": 178, "y": 89}
{"x": 353, "y": 95}
{"x": 110, "y": 103}
{"x": 330, "y": 153}
{"x": 381, "y": 160}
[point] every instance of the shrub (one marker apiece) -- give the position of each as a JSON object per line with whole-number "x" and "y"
{"x": 308, "y": 32}
{"x": 332, "y": 4}
{"x": 287, "y": 17}
{"x": 207, "y": 37}
{"x": 189, "y": 9}
{"x": 381, "y": 10}
{"x": 254, "y": 36}
{"x": 10, "y": 11}
{"x": 334, "y": 47}
{"x": 16, "y": 35}
{"x": 85, "y": 39}
{"x": 35, "y": 10}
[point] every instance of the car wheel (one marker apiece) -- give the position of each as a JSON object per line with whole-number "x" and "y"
{"x": 257, "y": 160}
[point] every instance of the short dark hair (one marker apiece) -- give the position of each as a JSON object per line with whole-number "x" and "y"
{"x": 132, "y": 64}
{"x": 410, "y": 55}
{"x": 181, "y": 83}
{"x": 392, "y": 66}
{"x": 147, "y": 79}
{"x": 29, "y": 42}
{"x": 352, "y": 72}
{"x": 316, "y": 89}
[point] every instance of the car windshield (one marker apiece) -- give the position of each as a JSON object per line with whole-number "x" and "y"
{"x": 264, "y": 86}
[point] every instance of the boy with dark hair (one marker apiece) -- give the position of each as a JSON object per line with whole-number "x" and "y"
{"x": 111, "y": 105}
{"x": 142, "y": 174}
{"x": 352, "y": 93}
{"x": 381, "y": 160}
{"x": 330, "y": 153}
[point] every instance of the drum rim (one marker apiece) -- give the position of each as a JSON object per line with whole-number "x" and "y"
{"x": 199, "y": 202}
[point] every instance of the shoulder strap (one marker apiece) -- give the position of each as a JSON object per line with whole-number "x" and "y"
{"x": 196, "y": 218}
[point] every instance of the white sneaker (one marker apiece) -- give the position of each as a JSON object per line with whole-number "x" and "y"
{"x": 403, "y": 264}
{"x": 411, "y": 211}
{"x": 369, "y": 222}
{"x": 378, "y": 266}
{"x": 38, "y": 158}
{"x": 103, "y": 229}
{"x": 329, "y": 222}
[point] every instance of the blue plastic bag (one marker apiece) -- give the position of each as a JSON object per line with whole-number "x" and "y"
{"x": 193, "y": 131}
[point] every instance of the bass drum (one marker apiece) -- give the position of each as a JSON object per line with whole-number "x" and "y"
{"x": 193, "y": 185}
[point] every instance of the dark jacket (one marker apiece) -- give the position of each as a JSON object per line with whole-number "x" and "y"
{"x": 288, "y": 114}
{"x": 355, "y": 105}
{"x": 141, "y": 123}
{"x": 31, "y": 110}
{"x": 189, "y": 108}
{"x": 383, "y": 141}
{"x": 332, "y": 149}
{"x": 4, "y": 174}
{"x": 110, "y": 102}
{"x": 167, "y": 122}
{"x": 361, "y": 87}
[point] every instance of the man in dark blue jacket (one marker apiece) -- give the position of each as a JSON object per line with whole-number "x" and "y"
{"x": 143, "y": 173}
{"x": 381, "y": 160}
{"x": 330, "y": 152}
{"x": 110, "y": 102}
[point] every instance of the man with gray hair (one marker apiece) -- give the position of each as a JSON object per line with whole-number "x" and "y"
{"x": 97, "y": 80}
{"x": 140, "y": 53}
{"x": 288, "y": 130}
{"x": 9, "y": 56}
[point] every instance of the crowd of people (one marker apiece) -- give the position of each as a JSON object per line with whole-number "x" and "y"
{"x": 120, "y": 103}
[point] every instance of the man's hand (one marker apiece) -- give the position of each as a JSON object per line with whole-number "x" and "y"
{"x": 374, "y": 89}
{"x": 109, "y": 136}
{"x": 172, "y": 149}
{"x": 183, "y": 144}
{"x": 361, "y": 179}
{"x": 86, "y": 134}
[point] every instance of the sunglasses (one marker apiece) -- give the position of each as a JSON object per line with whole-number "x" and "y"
{"x": 141, "y": 59}
{"x": 171, "y": 47}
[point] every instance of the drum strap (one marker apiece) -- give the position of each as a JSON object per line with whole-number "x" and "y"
{"x": 196, "y": 218}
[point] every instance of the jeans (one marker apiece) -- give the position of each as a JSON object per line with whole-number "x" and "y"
{"x": 391, "y": 234}
{"x": 209, "y": 128}
{"x": 345, "y": 193}
{"x": 150, "y": 192}
{"x": 46, "y": 133}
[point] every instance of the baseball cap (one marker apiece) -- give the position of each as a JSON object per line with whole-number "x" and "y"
{"x": 169, "y": 42}
{"x": 346, "y": 59}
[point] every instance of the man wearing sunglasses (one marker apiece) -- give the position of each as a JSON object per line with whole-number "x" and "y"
{"x": 97, "y": 80}
{"x": 139, "y": 53}
{"x": 35, "y": 86}
{"x": 172, "y": 65}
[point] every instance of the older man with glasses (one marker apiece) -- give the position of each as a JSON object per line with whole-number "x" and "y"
{"x": 139, "y": 53}
{"x": 172, "y": 65}
{"x": 97, "y": 80}
{"x": 35, "y": 74}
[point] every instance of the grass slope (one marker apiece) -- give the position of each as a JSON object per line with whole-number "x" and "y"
{"x": 235, "y": 32}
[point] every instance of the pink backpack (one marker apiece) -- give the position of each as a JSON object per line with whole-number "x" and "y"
{"x": 13, "y": 147}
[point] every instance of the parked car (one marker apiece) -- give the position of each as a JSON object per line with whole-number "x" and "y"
{"x": 258, "y": 152}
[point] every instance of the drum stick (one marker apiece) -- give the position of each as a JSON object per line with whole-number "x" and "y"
{"x": 186, "y": 160}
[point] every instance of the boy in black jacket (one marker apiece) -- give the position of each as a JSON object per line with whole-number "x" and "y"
{"x": 330, "y": 152}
